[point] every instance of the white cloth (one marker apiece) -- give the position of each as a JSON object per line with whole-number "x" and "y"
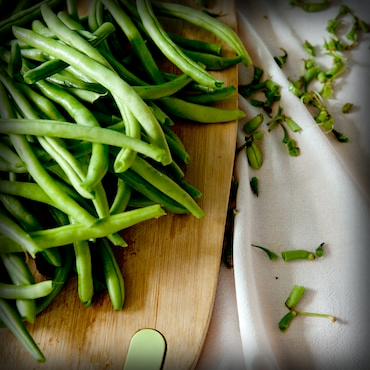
{"x": 320, "y": 196}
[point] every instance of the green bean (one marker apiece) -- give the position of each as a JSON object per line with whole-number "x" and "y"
{"x": 211, "y": 97}
{"x": 23, "y": 17}
{"x": 201, "y": 19}
{"x": 67, "y": 79}
{"x": 84, "y": 95}
{"x": 13, "y": 321}
{"x": 121, "y": 198}
{"x": 170, "y": 49}
{"x": 15, "y": 64}
{"x": 135, "y": 38}
{"x": 166, "y": 185}
{"x": 107, "y": 78}
{"x": 292, "y": 255}
{"x": 126, "y": 156}
{"x": 200, "y": 113}
{"x": 213, "y": 62}
{"x": 196, "y": 45}
{"x": 39, "y": 27}
{"x": 66, "y": 130}
{"x": 150, "y": 192}
{"x": 85, "y": 286}
{"x": 113, "y": 276}
{"x": 64, "y": 235}
{"x": 28, "y": 190}
{"x": 13, "y": 231}
{"x": 165, "y": 89}
{"x": 28, "y": 291}
{"x": 20, "y": 274}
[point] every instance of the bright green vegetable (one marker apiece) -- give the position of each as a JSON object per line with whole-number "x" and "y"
{"x": 297, "y": 254}
{"x": 29, "y": 291}
{"x": 13, "y": 321}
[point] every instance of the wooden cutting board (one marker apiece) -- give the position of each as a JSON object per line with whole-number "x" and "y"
{"x": 170, "y": 268}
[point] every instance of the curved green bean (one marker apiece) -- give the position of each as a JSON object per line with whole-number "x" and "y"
{"x": 66, "y": 130}
{"x": 200, "y": 113}
{"x": 166, "y": 89}
{"x": 213, "y": 62}
{"x": 64, "y": 235}
{"x": 29, "y": 291}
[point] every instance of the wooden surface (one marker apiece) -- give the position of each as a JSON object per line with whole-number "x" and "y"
{"x": 170, "y": 268}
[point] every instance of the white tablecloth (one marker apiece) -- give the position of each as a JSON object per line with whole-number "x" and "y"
{"x": 320, "y": 196}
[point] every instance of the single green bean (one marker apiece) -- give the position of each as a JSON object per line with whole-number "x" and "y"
{"x": 64, "y": 235}
{"x": 170, "y": 49}
{"x": 66, "y": 130}
{"x": 13, "y": 321}
{"x": 213, "y": 62}
{"x": 201, "y": 19}
{"x": 107, "y": 78}
{"x": 113, "y": 275}
{"x": 211, "y": 97}
{"x": 196, "y": 45}
{"x": 198, "y": 112}
{"x": 29, "y": 291}
{"x": 85, "y": 286}
{"x": 126, "y": 156}
{"x": 28, "y": 190}
{"x": 165, "y": 89}
{"x": 121, "y": 198}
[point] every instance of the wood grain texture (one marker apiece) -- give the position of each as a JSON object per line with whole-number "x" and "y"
{"x": 170, "y": 268}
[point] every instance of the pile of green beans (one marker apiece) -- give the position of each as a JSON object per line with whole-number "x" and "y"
{"x": 86, "y": 140}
